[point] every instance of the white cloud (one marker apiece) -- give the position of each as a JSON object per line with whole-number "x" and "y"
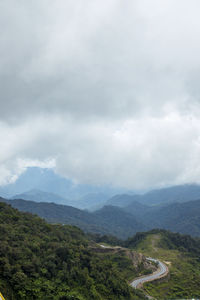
{"x": 107, "y": 90}
{"x": 143, "y": 153}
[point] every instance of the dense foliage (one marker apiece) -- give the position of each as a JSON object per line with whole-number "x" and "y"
{"x": 180, "y": 252}
{"x": 43, "y": 261}
{"x": 183, "y": 243}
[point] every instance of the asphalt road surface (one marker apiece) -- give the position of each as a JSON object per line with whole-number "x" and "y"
{"x": 162, "y": 270}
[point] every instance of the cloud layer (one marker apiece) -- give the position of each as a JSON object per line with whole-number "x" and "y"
{"x": 107, "y": 91}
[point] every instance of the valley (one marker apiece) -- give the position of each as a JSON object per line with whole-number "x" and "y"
{"x": 120, "y": 235}
{"x": 121, "y": 222}
{"x": 100, "y": 150}
{"x": 43, "y": 251}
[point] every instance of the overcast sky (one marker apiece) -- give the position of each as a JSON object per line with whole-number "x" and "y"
{"x": 105, "y": 92}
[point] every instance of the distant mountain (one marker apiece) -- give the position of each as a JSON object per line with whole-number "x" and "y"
{"x": 54, "y": 213}
{"x": 122, "y": 200}
{"x": 120, "y": 223}
{"x": 177, "y": 217}
{"x": 180, "y": 193}
{"x": 46, "y": 180}
{"x": 92, "y": 201}
{"x": 40, "y": 196}
{"x": 140, "y": 210}
{"x": 109, "y": 220}
{"x": 40, "y": 179}
{"x": 174, "y": 194}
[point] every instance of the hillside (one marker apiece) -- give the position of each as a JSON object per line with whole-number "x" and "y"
{"x": 140, "y": 210}
{"x": 177, "y": 217}
{"x": 43, "y": 261}
{"x": 118, "y": 222}
{"x": 109, "y": 220}
{"x": 55, "y": 213}
{"x": 181, "y": 254}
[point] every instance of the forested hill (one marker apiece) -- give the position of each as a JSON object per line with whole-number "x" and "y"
{"x": 43, "y": 261}
{"x": 181, "y": 253}
{"x": 117, "y": 221}
{"x": 109, "y": 220}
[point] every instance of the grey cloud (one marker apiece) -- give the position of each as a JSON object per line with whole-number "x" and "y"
{"x": 108, "y": 89}
{"x": 82, "y": 65}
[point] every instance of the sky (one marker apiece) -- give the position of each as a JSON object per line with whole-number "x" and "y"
{"x": 103, "y": 92}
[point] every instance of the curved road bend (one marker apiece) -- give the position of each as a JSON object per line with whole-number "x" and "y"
{"x": 161, "y": 271}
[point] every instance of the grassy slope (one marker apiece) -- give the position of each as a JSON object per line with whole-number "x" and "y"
{"x": 184, "y": 270}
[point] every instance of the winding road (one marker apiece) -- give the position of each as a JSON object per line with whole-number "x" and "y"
{"x": 162, "y": 270}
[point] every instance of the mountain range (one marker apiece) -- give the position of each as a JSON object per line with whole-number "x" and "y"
{"x": 35, "y": 182}
{"x": 108, "y": 220}
{"x": 120, "y": 222}
{"x": 45, "y": 185}
{"x": 159, "y": 197}
{"x": 58, "y": 200}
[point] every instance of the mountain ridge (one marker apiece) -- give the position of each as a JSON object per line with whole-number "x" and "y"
{"x": 162, "y": 196}
{"x": 98, "y": 222}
